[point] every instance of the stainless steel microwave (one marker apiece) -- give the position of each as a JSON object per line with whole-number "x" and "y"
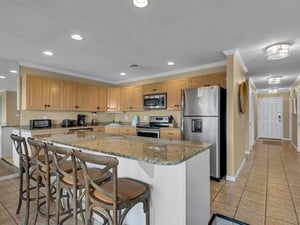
{"x": 155, "y": 101}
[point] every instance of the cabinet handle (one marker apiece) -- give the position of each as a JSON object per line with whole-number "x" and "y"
{"x": 76, "y": 106}
{"x": 154, "y": 89}
{"x": 45, "y": 106}
{"x": 171, "y": 133}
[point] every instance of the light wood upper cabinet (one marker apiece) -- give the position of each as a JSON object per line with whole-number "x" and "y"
{"x": 131, "y": 98}
{"x": 102, "y": 99}
{"x": 91, "y": 98}
{"x": 113, "y": 99}
{"x": 174, "y": 88}
{"x": 68, "y": 95}
{"x": 211, "y": 79}
{"x": 53, "y": 94}
{"x": 80, "y": 96}
{"x": 40, "y": 93}
{"x": 155, "y": 88}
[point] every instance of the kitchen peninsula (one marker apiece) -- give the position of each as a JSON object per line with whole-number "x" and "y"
{"x": 177, "y": 172}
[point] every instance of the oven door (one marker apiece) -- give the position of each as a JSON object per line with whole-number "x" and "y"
{"x": 153, "y": 133}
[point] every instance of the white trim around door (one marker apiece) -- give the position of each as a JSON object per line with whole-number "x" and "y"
{"x": 270, "y": 118}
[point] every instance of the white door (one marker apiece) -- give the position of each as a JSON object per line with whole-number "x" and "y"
{"x": 251, "y": 120}
{"x": 270, "y": 117}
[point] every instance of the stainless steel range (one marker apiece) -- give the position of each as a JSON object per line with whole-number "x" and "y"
{"x": 152, "y": 128}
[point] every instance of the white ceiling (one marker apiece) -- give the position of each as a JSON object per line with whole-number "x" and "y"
{"x": 192, "y": 33}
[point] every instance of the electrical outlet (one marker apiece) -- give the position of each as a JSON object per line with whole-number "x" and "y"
{"x": 145, "y": 118}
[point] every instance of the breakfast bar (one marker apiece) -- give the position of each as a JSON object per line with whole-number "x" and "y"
{"x": 177, "y": 172}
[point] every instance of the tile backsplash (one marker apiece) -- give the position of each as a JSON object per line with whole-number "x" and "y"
{"x": 58, "y": 116}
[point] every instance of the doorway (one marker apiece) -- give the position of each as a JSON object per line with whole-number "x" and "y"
{"x": 297, "y": 107}
{"x": 251, "y": 120}
{"x": 270, "y": 117}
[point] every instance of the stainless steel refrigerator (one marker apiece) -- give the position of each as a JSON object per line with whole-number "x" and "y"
{"x": 204, "y": 120}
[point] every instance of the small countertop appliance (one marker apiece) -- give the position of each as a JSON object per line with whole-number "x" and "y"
{"x": 81, "y": 120}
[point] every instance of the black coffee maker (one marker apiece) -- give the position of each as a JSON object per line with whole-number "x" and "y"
{"x": 80, "y": 120}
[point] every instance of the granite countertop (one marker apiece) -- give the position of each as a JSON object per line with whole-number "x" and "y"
{"x": 151, "y": 150}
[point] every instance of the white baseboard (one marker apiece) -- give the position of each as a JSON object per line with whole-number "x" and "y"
{"x": 294, "y": 146}
{"x": 9, "y": 176}
{"x": 233, "y": 178}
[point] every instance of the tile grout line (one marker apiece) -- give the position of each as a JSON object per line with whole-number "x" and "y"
{"x": 288, "y": 183}
{"x": 249, "y": 172}
{"x": 266, "y": 199}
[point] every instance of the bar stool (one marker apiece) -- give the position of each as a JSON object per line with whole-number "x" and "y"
{"x": 72, "y": 182}
{"x": 44, "y": 173}
{"x": 27, "y": 169}
{"x": 116, "y": 196}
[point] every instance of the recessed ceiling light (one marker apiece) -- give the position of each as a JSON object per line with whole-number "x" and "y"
{"x": 2, "y": 76}
{"x": 123, "y": 74}
{"x": 77, "y": 37}
{"x": 13, "y": 71}
{"x": 140, "y": 3}
{"x": 49, "y": 53}
{"x": 171, "y": 63}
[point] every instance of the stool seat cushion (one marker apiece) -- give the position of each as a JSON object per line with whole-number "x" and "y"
{"x": 95, "y": 174}
{"x": 128, "y": 189}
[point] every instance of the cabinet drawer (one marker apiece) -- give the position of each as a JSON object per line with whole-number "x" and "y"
{"x": 170, "y": 133}
{"x": 99, "y": 129}
{"x": 128, "y": 130}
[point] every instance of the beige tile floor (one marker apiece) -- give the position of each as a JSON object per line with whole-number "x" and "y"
{"x": 267, "y": 191}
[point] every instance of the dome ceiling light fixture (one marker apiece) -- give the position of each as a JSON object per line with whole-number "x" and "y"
{"x": 273, "y": 90}
{"x": 278, "y": 51}
{"x": 140, "y": 3}
{"x": 274, "y": 80}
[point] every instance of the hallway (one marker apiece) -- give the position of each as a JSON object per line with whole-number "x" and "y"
{"x": 267, "y": 191}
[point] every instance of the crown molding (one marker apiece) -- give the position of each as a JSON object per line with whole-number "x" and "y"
{"x": 62, "y": 71}
{"x": 237, "y": 54}
{"x": 174, "y": 72}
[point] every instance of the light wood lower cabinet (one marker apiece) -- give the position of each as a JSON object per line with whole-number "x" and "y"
{"x": 170, "y": 133}
{"x": 127, "y": 130}
{"x": 112, "y": 129}
{"x": 99, "y": 129}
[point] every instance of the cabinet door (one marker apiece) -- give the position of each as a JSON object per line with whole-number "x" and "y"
{"x": 34, "y": 92}
{"x": 68, "y": 95}
{"x": 125, "y": 99}
{"x": 113, "y": 99}
{"x": 124, "y": 130}
{"x": 174, "y": 88}
{"x": 102, "y": 99}
{"x": 80, "y": 96}
{"x": 137, "y": 98}
{"x": 155, "y": 88}
{"x": 170, "y": 133}
{"x": 112, "y": 130}
{"x": 54, "y": 94}
{"x": 172, "y": 94}
{"x": 91, "y": 98}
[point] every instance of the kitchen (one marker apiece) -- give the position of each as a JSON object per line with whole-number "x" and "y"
{"x": 237, "y": 133}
